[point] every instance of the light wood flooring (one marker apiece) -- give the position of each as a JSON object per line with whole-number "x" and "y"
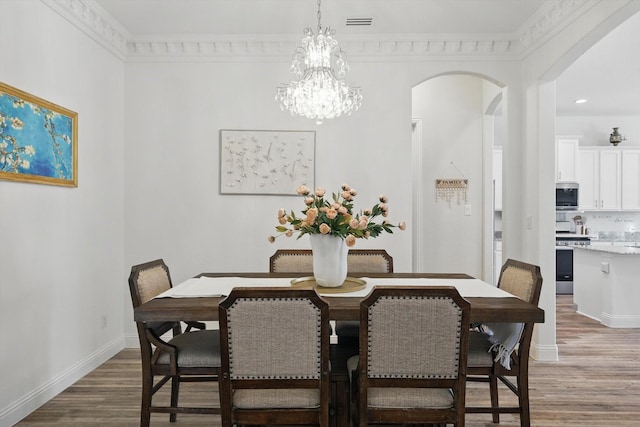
{"x": 596, "y": 382}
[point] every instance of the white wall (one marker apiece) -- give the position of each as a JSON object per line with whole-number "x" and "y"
{"x": 61, "y": 261}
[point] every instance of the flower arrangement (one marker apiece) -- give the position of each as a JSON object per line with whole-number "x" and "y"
{"x": 335, "y": 217}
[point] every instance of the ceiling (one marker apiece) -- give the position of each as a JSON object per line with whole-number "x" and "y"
{"x": 606, "y": 75}
{"x": 143, "y": 17}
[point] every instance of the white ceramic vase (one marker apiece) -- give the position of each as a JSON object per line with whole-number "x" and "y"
{"x": 329, "y": 259}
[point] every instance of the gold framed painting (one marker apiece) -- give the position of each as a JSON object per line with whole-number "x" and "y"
{"x": 38, "y": 140}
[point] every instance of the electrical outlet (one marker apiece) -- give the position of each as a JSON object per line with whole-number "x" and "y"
{"x": 467, "y": 210}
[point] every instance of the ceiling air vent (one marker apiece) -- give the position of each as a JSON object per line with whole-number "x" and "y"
{"x": 359, "y": 22}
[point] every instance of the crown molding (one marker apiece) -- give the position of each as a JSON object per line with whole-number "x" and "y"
{"x": 94, "y": 21}
{"x": 88, "y": 16}
{"x": 548, "y": 21}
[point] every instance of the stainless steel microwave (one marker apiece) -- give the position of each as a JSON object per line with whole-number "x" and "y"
{"x": 567, "y": 196}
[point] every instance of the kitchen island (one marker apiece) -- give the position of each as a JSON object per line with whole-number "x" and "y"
{"x": 607, "y": 284}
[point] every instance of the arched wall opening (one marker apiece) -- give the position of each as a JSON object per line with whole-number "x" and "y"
{"x": 454, "y": 136}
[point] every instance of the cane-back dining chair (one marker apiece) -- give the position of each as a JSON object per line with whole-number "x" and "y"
{"x": 190, "y": 356}
{"x": 488, "y": 362}
{"x": 417, "y": 376}
{"x": 275, "y": 357}
{"x": 359, "y": 261}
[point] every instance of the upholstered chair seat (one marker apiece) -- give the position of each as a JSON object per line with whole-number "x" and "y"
{"x": 410, "y": 398}
{"x": 480, "y": 353}
{"x": 196, "y": 349}
{"x": 276, "y": 398}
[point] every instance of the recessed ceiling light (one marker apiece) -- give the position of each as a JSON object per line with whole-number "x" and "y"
{"x": 580, "y": 101}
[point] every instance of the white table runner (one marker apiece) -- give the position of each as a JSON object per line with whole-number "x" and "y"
{"x": 222, "y": 286}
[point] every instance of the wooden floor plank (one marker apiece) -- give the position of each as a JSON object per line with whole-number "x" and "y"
{"x": 596, "y": 383}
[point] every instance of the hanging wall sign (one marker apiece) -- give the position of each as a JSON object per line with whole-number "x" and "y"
{"x": 450, "y": 189}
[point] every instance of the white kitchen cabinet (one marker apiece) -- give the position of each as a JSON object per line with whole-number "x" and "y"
{"x": 567, "y": 159}
{"x": 631, "y": 179}
{"x": 497, "y": 179}
{"x": 600, "y": 179}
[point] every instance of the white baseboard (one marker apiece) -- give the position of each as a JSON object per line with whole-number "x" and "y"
{"x": 28, "y": 403}
{"x": 544, "y": 353}
{"x": 620, "y": 320}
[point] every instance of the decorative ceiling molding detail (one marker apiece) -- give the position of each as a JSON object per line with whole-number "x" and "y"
{"x": 390, "y": 48}
{"x": 92, "y": 19}
{"x": 97, "y": 23}
{"x": 548, "y": 20}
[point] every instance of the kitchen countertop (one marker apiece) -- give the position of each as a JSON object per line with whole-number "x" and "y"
{"x": 613, "y": 249}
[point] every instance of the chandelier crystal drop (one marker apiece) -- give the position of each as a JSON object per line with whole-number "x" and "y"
{"x": 320, "y": 91}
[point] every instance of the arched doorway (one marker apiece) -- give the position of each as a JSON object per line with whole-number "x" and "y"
{"x": 456, "y": 124}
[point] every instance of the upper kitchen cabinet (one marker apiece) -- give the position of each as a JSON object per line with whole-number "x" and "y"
{"x": 600, "y": 179}
{"x": 567, "y": 158}
{"x": 631, "y": 179}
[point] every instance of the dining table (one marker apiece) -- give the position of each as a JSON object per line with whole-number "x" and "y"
{"x": 197, "y": 299}
{"x": 488, "y": 303}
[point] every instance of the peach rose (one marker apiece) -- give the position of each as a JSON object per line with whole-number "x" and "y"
{"x": 353, "y": 223}
{"x": 353, "y": 192}
{"x": 383, "y": 198}
{"x": 281, "y": 212}
{"x": 282, "y": 220}
{"x": 332, "y": 213}
{"x": 367, "y": 234}
{"x": 346, "y": 195}
{"x": 350, "y": 240}
{"x": 402, "y": 226}
{"x": 346, "y": 187}
{"x": 312, "y": 214}
{"x": 367, "y": 212}
{"x": 320, "y": 192}
{"x": 302, "y": 190}
{"x": 289, "y": 233}
{"x": 324, "y": 228}
{"x": 308, "y": 201}
{"x": 272, "y": 239}
{"x": 342, "y": 210}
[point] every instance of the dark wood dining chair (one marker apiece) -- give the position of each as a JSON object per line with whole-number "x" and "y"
{"x": 190, "y": 356}
{"x": 275, "y": 357}
{"x": 525, "y": 282}
{"x": 417, "y": 376}
{"x": 359, "y": 261}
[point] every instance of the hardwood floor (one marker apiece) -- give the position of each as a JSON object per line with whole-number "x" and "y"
{"x": 596, "y": 382}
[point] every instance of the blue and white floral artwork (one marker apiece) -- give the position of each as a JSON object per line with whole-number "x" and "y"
{"x": 37, "y": 140}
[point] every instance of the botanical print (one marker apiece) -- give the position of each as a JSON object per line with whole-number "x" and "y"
{"x": 265, "y": 162}
{"x": 36, "y": 139}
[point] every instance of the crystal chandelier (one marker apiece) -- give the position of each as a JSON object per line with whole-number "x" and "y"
{"x": 320, "y": 65}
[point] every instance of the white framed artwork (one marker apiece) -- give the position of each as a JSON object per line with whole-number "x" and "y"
{"x": 272, "y": 162}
